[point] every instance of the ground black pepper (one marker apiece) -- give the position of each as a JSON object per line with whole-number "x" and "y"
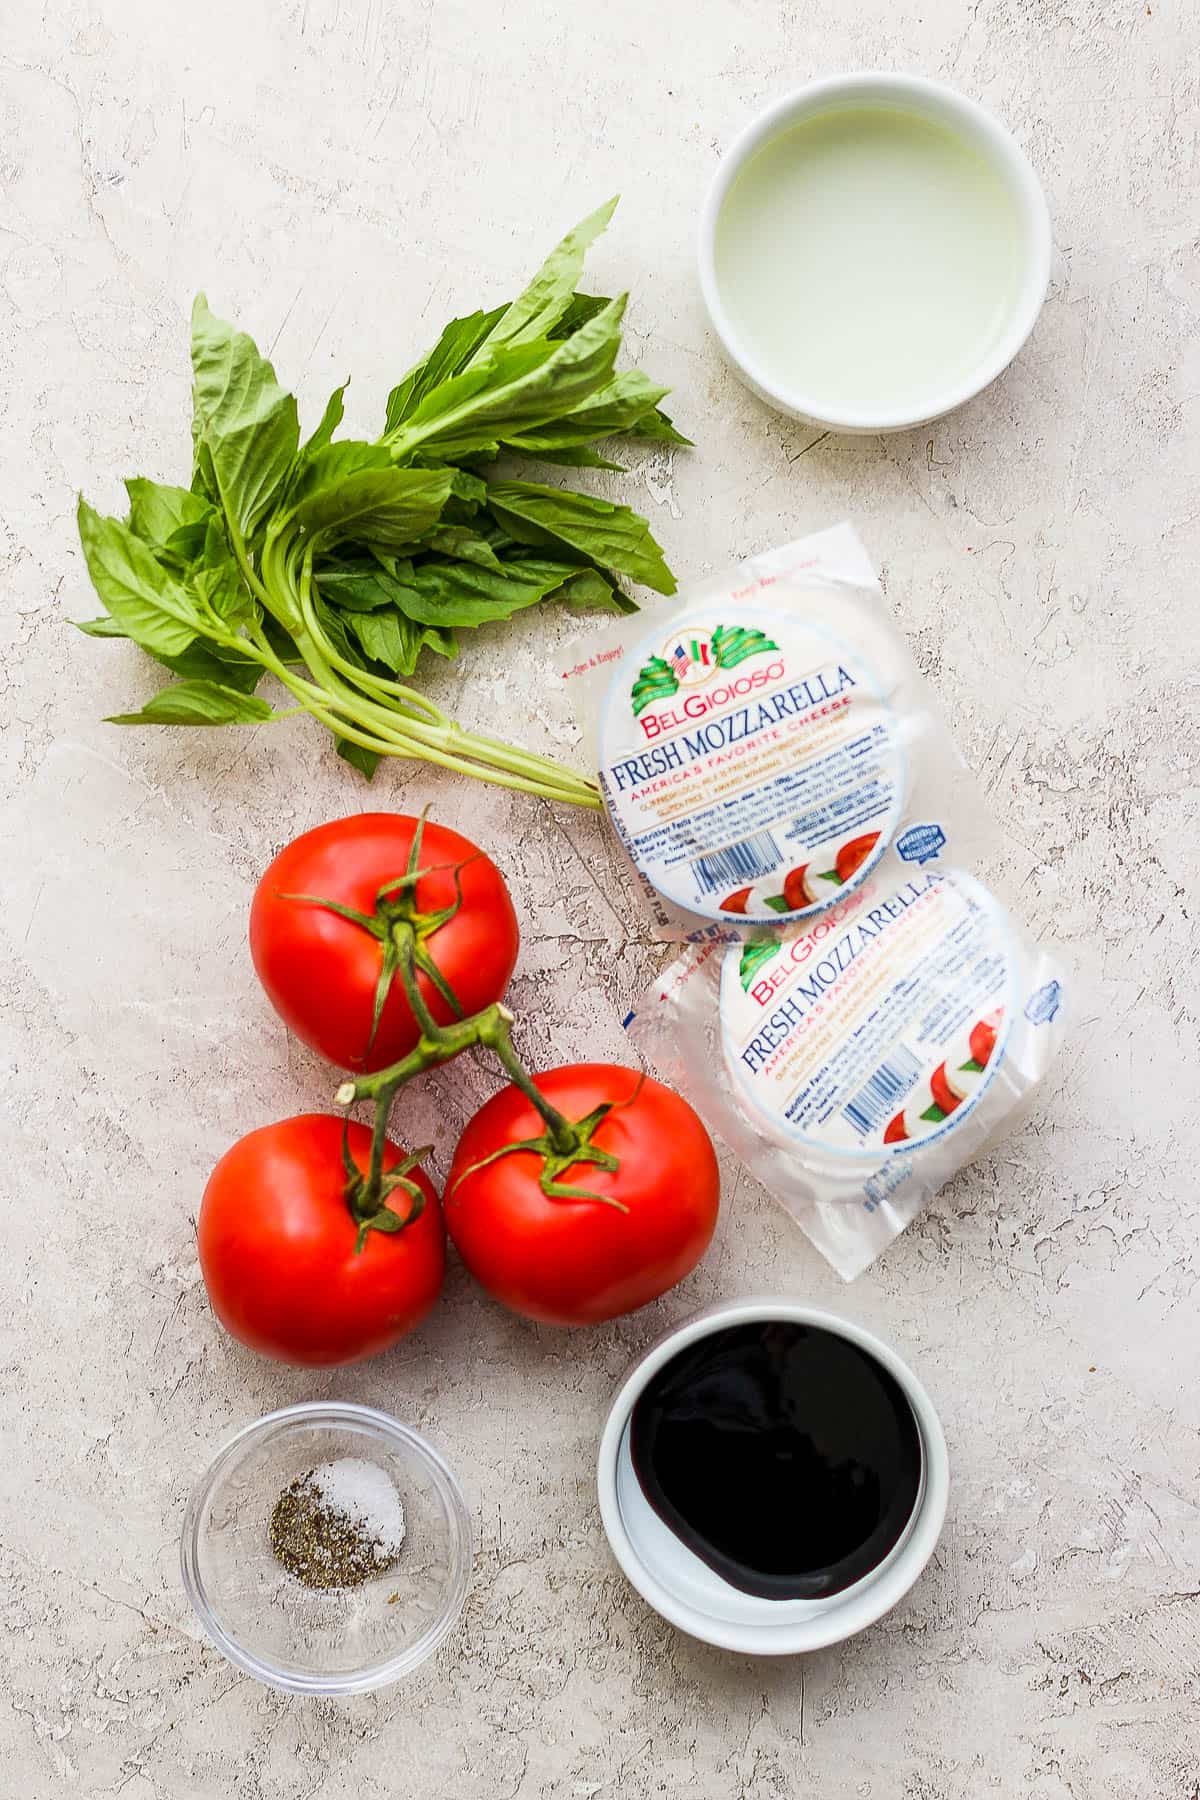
{"x": 320, "y": 1544}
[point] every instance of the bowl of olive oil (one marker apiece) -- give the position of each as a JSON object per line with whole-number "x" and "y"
{"x": 874, "y": 250}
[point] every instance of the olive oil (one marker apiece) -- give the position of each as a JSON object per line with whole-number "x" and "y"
{"x": 783, "y": 1455}
{"x": 868, "y": 257}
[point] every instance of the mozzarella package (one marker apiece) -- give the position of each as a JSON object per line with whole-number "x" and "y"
{"x": 769, "y": 745}
{"x": 855, "y": 1062}
{"x": 860, "y": 1016}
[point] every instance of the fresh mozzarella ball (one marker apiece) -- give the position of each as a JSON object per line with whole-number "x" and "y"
{"x": 914, "y": 1124}
{"x": 767, "y": 887}
{"x": 960, "y": 1081}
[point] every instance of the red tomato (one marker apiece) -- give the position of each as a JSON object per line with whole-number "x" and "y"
{"x": 277, "y": 1248}
{"x": 321, "y": 971}
{"x": 576, "y": 1262}
{"x": 943, "y": 1094}
{"x": 896, "y": 1133}
{"x": 736, "y": 902}
{"x": 852, "y": 855}
{"x": 795, "y": 889}
{"x": 983, "y": 1038}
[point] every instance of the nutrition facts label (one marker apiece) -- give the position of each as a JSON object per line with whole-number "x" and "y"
{"x": 749, "y": 763}
{"x": 879, "y": 1024}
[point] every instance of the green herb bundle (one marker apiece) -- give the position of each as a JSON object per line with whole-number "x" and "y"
{"x": 332, "y": 564}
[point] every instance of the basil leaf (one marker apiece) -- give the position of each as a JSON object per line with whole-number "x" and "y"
{"x": 221, "y": 587}
{"x": 617, "y": 406}
{"x": 196, "y": 663}
{"x": 467, "y": 491}
{"x": 613, "y": 536}
{"x": 356, "y": 590}
{"x": 590, "y": 591}
{"x": 504, "y": 369}
{"x": 331, "y": 463}
{"x": 331, "y": 418}
{"x": 365, "y": 761}
{"x": 517, "y": 393}
{"x": 390, "y": 561}
{"x": 336, "y": 629}
{"x": 543, "y": 303}
{"x": 580, "y": 309}
{"x": 569, "y": 456}
{"x": 389, "y": 638}
{"x": 365, "y": 590}
{"x": 280, "y": 640}
{"x": 216, "y": 545}
{"x": 440, "y": 639}
{"x": 99, "y": 628}
{"x": 449, "y": 356}
{"x": 157, "y": 511}
{"x": 198, "y": 703}
{"x": 246, "y": 428}
{"x": 147, "y": 602}
{"x": 626, "y": 404}
{"x": 656, "y": 425}
{"x": 467, "y": 487}
{"x": 449, "y": 594}
{"x": 390, "y": 507}
{"x": 199, "y": 663}
{"x": 188, "y": 543}
{"x": 459, "y": 541}
{"x": 385, "y": 637}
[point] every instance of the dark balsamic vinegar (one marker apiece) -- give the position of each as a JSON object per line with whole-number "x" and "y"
{"x": 784, "y": 1456}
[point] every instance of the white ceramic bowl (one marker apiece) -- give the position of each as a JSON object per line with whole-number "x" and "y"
{"x": 690, "y": 1594}
{"x": 943, "y": 106}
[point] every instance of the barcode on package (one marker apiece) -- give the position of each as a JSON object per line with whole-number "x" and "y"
{"x": 754, "y": 856}
{"x": 879, "y": 1095}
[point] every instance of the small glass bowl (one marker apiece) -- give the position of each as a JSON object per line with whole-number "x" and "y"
{"x": 302, "y": 1640}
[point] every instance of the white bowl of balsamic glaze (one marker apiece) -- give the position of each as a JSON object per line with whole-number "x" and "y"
{"x": 691, "y": 1594}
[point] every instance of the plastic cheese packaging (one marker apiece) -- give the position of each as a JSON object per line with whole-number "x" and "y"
{"x": 763, "y": 747}
{"x": 858, "y": 1061}
{"x": 857, "y": 1056}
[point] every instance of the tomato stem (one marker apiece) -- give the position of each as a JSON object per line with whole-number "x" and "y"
{"x": 396, "y": 907}
{"x": 563, "y": 1136}
{"x": 402, "y": 931}
{"x": 367, "y": 1195}
{"x": 563, "y": 1143}
{"x": 555, "y": 1163}
{"x": 491, "y": 1028}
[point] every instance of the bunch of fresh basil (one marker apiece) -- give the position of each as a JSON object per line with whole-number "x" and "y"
{"x": 332, "y": 564}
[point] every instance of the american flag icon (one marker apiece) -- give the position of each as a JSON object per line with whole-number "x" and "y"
{"x": 684, "y": 655}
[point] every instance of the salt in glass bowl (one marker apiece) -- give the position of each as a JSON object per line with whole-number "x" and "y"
{"x": 302, "y": 1640}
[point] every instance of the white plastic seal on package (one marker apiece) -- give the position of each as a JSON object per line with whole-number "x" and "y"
{"x": 855, "y": 1062}
{"x": 766, "y": 746}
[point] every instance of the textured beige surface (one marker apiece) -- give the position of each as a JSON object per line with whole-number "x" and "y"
{"x": 340, "y": 175}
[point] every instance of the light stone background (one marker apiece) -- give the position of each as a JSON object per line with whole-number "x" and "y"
{"x": 341, "y": 175}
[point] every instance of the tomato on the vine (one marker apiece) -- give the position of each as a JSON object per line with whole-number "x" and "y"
{"x": 608, "y": 1239}
{"x": 290, "y": 1271}
{"x": 322, "y": 970}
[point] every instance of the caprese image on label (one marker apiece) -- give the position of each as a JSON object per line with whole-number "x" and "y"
{"x": 954, "y": 1080}
{"x": 802, "y": 888}
{"x": 750, "y": 763}
{"x": 877, "y": 1027}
